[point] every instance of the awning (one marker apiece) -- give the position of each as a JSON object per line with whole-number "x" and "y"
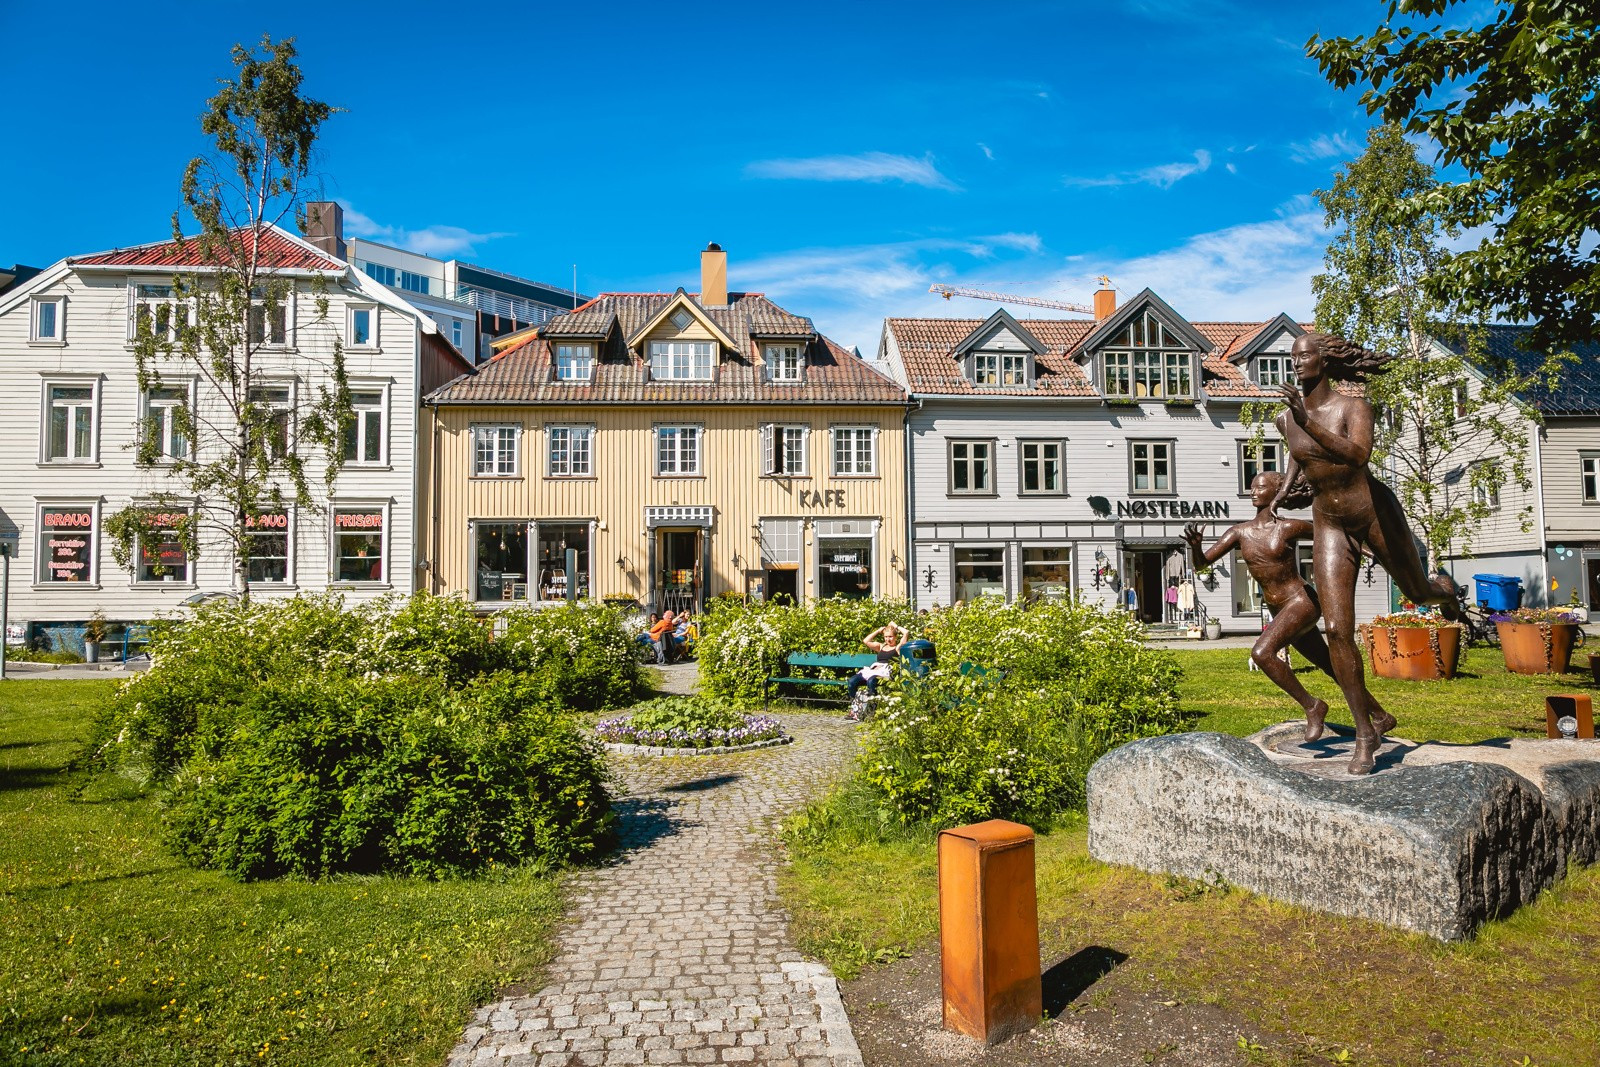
{"x": 1152, "y": 542}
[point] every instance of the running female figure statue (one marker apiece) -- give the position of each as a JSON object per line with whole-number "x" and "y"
{"x": 1329, "y": 438}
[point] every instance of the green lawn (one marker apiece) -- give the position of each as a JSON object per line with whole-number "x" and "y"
{"x": 111, "y": 952}
{"x": 1328, "y": 986}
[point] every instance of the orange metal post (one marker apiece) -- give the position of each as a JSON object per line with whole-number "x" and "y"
{"x": 1579, "y": 705}
{"x": 989, "y": 930}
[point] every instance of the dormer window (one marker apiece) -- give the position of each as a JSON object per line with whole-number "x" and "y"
{"x": 682, "y": 361}
{"x": 999, "y": 368}
{"x": 784, "y": 363}
{"x": 1274, "y": 370}
{"x": 574, "y": 363}
{"x": 1146, "y": 361}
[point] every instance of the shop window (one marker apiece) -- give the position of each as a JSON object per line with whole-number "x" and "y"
{"x": 1150, "y": 466}
{"x": 267, "y": 537}
{"x": 67, "y": 543}
{"x": 502, "y": 561}
{"x": 359, "y": 544}
{"x": 1047, "y": 573}
{"x": 1041, "y": 467}
{"x": 1262, "y": 457}
{"x": 980, "y": 572}
{"x": 1246, "y": 593}
{"x": 972, "y": 468}
{"x": 844, "y": 566}
{"x": 162, "y": 556}
{"x": 554, "y": 540}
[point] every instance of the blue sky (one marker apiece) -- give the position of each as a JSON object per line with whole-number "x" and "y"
{"x": 846, "y": 155}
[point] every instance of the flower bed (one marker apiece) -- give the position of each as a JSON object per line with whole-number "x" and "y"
{"x": 688, "y": 722}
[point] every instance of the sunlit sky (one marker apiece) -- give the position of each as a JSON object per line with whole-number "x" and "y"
{"x": 846, "y": 155}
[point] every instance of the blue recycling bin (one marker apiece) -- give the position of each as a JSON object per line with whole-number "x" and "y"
{"x": 1499, "y": 592}
{"x": 917, "y": 656}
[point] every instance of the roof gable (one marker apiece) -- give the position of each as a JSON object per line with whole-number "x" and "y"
{"x": 1000, "y": 320}
{"x": 680, "y": 300}
{"x": 1104, "y": 333}
{"x": 1249, "y": 345}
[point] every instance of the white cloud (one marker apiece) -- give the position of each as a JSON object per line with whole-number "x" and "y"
{"x": 1022, "y": 242}
{"x": 866, "y": 167}
{"x": 1163, "y": 176}
{"x": 440, "y": 241}
{"x": 1323, "y": 146}
{"x": 988, "y": 153}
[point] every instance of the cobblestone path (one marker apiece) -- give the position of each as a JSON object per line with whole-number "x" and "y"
{"x": 679, "y": 952}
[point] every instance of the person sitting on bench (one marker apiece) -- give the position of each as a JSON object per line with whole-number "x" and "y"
{"x": 885, "y": 641}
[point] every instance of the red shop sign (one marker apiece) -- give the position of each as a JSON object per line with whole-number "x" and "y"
{"x": 359, "y": 520}
{"x": 68, "y": 520}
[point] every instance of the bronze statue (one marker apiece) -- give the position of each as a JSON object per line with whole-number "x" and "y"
{"x": 1267, "y": 545}
{"x": 1329, "y": 438}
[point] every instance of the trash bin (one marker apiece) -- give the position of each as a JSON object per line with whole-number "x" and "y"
{"x": 1499, "y": 592}
{"x": 918, "y": 657}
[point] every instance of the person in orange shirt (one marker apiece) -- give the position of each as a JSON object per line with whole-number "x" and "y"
{"x": 661, "y": 637}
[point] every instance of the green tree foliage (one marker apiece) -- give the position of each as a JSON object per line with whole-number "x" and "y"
{"x": 1451, "y": 433}
{"x": 243, "y": 450}
{"x": 1509, "y": 97}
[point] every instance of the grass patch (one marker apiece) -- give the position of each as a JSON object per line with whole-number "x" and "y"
{"x": 112, "y": 952}
{"x": 1524, "y": 987}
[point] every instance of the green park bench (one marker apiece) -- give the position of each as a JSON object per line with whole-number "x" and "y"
{"x": 796, "y": 662}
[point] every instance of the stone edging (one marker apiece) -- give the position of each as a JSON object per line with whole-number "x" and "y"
{"x": 711, "y": 750}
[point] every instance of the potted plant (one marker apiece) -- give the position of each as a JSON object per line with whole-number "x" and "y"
{"x": 94, "y": 632}
{"x": 1578, "y": 611}
{"x": 1536, "y": 640}
{"x": 1213, "y": 629}
{"x": 1413, "y": 646}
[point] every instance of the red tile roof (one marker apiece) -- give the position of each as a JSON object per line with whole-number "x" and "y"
{"x": 927, "y": 352}
{"x": 278, "y": 251}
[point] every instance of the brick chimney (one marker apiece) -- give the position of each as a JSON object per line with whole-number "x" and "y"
{"x": 325, "y": 227}
{"x": 714, "y": 276}
{"x": 1105, "y": 302}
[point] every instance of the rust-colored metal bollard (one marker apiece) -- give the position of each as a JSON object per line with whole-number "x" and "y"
{"x": 989, "y": 930}
{"x": 1576, "y": 706}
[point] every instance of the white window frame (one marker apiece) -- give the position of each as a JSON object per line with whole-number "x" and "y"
{"x": 574, "y": 433}
{"x": 687, "y": 356}
{"x": 678, "y": 432}
{"x": 35, "y": 307}
{"x": 136, "y": 560}
{"x": 1170, "y": 458}
{"x": 148, "y": 405}
{"x": 1025, "y": 443}
{"x": 382, "y": 408}
{"x": 289, "y": 407}
{"x": 570, "y": 358}
{"x": 1589, "y": 477}
{"x": 455, "y": 332}
{"x": 1482, "y": 494}
{"x": 43, "y": 504}
{"x": 853, "y": 469}
{"x": 774, "y": 432}
{"x": 531, "y": 547}
{"x": 291, "y": 545}
{"x": 499, "y": 453}
{"x": 136, "y": 299}
{"x": 283, "y": 344}
{"x": 334, "y": 508}
{"x": 45, "y": 408}
{"x": 371, "y": 344}
{"x": 786, "y": 363}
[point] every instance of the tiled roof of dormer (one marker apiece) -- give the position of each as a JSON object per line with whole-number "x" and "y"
{"x": 279, "y": 250}
{"x": 927, "y": 351}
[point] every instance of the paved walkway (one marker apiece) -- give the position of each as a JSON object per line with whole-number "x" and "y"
{"x": 678, "y": 953}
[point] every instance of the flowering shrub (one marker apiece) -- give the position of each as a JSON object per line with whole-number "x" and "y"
{"x": 1534, "y": 615}
{"x": 580, "y": 655}
{"x": 687, "y": 722}
{"x": 741, "y": 644}
{"x": 314, "y": 775}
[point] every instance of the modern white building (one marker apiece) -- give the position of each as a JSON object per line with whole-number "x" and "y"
{"x": 1054, "y": 456}
{"x": 471, "y": 305}
{"x": 72, "y": 411}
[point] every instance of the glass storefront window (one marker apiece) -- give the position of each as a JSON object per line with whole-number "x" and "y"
{"x": 269, "y": 547}
{"x": 844, "y": 566}
{"x": 554, "y": 540}
{"x": 1246, "y": 593}
{"x": 1046, "y": 573}
{"x": 502, "y": 549}
{"x": 980, "y": 572}
{"x": 162, "y": 557}
{"x": 66, "y": 544}
{"x": 358, "y": 545}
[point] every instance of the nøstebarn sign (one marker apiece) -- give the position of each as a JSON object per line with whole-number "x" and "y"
{"x": 1172, "y": 509}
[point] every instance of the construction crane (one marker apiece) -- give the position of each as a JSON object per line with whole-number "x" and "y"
{"x": 947, "y": 291}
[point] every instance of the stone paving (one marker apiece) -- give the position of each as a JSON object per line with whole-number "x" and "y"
{"x": 678, "y": 952}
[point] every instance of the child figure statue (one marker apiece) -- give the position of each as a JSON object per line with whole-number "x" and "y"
{"x": 1267, "y": 544}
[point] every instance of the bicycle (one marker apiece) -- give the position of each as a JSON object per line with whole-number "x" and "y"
{"x": 1480, "y": 628}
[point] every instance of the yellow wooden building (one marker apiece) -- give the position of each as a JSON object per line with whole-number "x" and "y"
{"x": 680, "y": 445}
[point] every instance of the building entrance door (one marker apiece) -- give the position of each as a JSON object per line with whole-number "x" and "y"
{"x": 1147, "y": 575}
{"x": 783, "y": 585}
{"x": 1591, "y": 564}
{"x": 680, "y": 582}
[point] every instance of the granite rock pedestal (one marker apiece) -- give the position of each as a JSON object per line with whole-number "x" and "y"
{"x": 1440, "y": 839}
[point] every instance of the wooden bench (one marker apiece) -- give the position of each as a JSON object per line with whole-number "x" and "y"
{"x": 795, "y": 662}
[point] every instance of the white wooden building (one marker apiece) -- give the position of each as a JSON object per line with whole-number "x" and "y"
{"x": 1050, "y": 456}
{"x": 71, "y": 411}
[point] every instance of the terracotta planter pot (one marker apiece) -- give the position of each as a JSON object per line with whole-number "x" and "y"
{"x": 1409, "y": 652}
{"x": 1537, "y": 648}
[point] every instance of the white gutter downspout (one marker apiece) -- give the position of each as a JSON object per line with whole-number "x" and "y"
{"x": 911, "y": 497}
{"x": 1538, "y": 482}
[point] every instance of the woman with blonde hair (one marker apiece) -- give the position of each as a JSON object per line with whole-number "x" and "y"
{"x": 885, "y": 641}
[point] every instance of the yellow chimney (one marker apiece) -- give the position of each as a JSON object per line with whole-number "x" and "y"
{"x": 714, "y": 276}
